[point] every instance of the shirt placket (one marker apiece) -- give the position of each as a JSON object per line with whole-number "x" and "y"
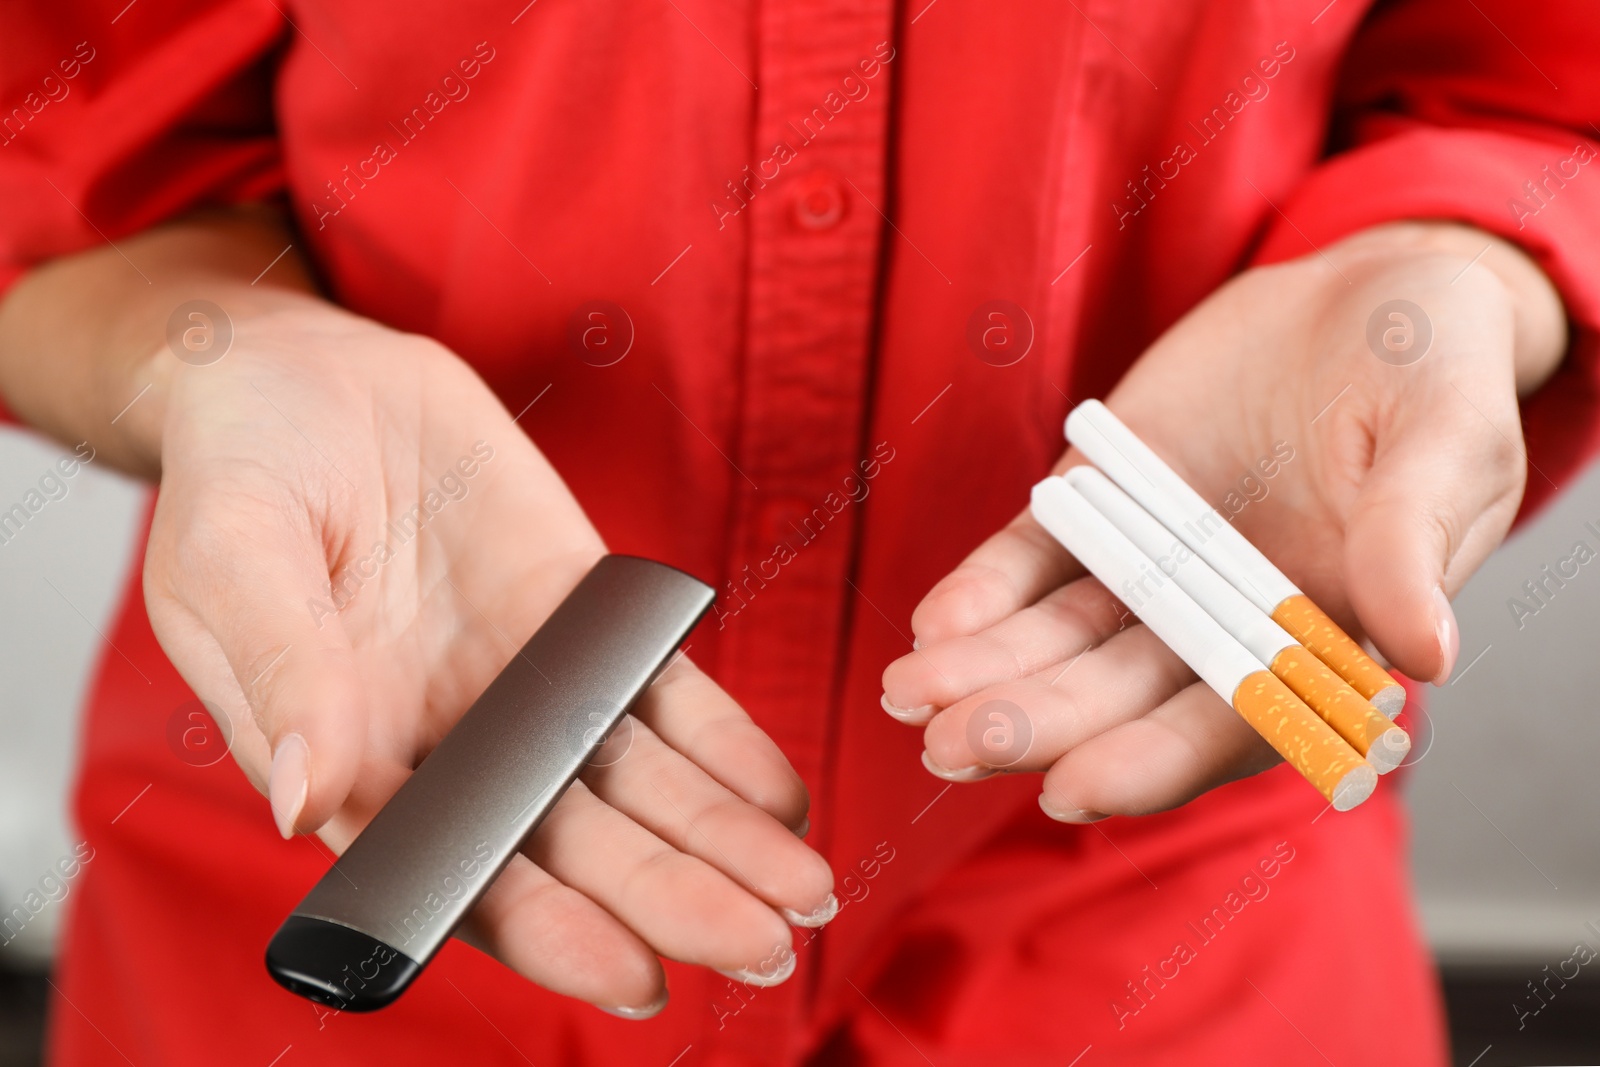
{"x": 811, "y": 200}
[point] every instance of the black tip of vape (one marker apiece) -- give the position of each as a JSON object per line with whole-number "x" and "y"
{"x": 335, "y": 965}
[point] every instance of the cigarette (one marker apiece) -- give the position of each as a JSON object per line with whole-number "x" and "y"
{"x": 1308, "y": 744}
{"x": 1368, "y": 730}
{"x": 1129, "y": 462}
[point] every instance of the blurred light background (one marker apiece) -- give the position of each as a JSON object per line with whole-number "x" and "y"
{"x": 1505, "y": 794}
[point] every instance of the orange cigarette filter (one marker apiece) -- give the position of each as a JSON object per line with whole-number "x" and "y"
{"x": 1226, "y": 665}
{"x": 1368, "y": 730}
{"x": 1308, "y": 744}
{"x": 1146, "y": 477}
{"x": 1312, "y": 628}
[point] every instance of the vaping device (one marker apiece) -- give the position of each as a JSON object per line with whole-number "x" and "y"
{"x": 376, "y": 918}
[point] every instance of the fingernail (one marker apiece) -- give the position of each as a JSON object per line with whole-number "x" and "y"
{"x": 1075, "y": 816}
{"x": 288, "y": 782}
{"x": 804, "y": 828}
{"x": 1449, "y": 633}
{"x": 756, "y": 978}
{"x": 910, "y": 716}
{"x": 916, "y": 644}
{"x": 650, "y": 1010}
{"x": 963, "y": 774}
{"x": 821, "y": 915}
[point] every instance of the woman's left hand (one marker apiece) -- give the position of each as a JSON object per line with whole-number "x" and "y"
{"x": 1378, "y": 478}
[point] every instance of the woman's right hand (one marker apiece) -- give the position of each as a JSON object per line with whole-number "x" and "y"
{"x": 283, "y": 465}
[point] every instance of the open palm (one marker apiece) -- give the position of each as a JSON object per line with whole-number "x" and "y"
{"x": 352, "y": 538}
{"x": 1378, "y": 477}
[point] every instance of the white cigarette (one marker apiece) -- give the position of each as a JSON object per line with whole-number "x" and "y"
{"x": 1371, "y": 733}
{"x": 1174, "y": 560}
{"x": 1128, "y": 461}
{"x": 1307, "y": 742}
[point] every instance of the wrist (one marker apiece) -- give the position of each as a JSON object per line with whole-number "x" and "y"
{"x": 201, "y": 337}
{"x": 84, "y": 354}
{"x": 1539, "y": 318}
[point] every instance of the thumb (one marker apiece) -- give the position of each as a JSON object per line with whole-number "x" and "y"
{"x": 1447, "y": 475}
{"x": 264, "y": 602}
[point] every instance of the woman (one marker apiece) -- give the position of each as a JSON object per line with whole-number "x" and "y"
{"x": 795, "y": 297}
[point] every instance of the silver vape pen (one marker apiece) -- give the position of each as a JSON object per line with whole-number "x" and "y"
{"x": 389, "y": 903}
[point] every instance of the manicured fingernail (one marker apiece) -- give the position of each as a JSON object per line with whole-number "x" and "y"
{"x": 916, "y": 644}
{"x": 288, "y": 782}
{"x": 650, "y": 1010}
{"x": 804, "y": 828}
{"x": 963, "y": 774}
{"x": 756, "y": 978}
{"x": 1076, "y": 816}
{"x": 1444, "y": 624}
{"x": 910, "y": 716}
{"x": 821, "y": 915}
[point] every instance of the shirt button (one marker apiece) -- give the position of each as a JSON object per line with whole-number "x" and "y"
{"x": 819, "y": 201}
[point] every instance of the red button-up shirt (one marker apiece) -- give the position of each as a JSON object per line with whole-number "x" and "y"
{"x": 799, "y": 293}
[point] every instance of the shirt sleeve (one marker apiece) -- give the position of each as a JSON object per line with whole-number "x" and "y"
{"x": 1483, "y": 113}
{"x": 115, "y": 116}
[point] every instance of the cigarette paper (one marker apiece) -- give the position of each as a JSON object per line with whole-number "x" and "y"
{"x": 1129, "y": 462}
{"x": 1368, "y": 731}
{"x": 1307, "y": 743}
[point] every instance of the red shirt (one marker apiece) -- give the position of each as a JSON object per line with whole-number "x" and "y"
{"x": 804, "y": 273}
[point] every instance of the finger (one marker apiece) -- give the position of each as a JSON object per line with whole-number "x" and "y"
{"x": 1003, "y": 575}
{"x": 679, "y": 803}
{"x": 1070, "y": 620}
{"x": 555, "y": 936}
{"x": 1444, "y": 486}
{"x": 682, "y": 907}
{"x": 1029, "y": 724}
{"x": 1190, "y": 744}
{"x": 692, "y": 714}
{"x": 246, "y": 585}
{"x": 546, "y": 931}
